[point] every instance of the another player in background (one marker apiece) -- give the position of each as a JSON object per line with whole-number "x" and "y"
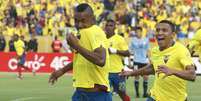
{"x": 91, "y": 60}
{"x": 172, "y": 65}
{"x": 118, "y": 48}
{"x": 139, "y": 47}
{"x": 21, "y": 55}
{"x": 195, "y": 43}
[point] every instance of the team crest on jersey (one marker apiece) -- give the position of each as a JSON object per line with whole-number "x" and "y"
{"x": 166, "y": 58}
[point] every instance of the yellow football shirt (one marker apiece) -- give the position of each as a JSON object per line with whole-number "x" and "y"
{"x": 171, "y": 88}
{"x": 118, "y": 43}
{"x": 19, "y": 47}
{"x": 85, "y": 73}
{"x": 196, "y": 42}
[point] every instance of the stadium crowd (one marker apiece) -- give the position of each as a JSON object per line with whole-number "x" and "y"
{"x": 55, "y": 17}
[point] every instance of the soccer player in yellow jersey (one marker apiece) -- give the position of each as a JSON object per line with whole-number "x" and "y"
{"x": 21, "y": 56}
{"x": 91, "y": 60}
{"x": 118, "y": 48}
{"x": 195, "y": 43}
{"x": 172, "y": 65}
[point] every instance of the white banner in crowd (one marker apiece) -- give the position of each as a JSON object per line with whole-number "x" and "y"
{"x": 198, "y": 64}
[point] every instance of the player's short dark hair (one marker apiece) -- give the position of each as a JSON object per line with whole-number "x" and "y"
{"x": 83, "y": 7}
{"x": 172, "y": 25}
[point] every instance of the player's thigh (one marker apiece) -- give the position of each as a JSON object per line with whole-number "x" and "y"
{"x": 119, "y": 83}
{"x": 80, "y": 96}
{"x": 111, "y": 79}
{"x": 138, "y": 65}
{"x": 22, "y": 59}
{"x": 91, "y": 96}
{"x": 150, "y": 99}
{"x": 101, "y": 96}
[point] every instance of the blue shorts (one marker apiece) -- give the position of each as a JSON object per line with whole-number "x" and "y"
{"x": 118, "y": 83}
{"x": 150, "y": 99}
{"x": 22, "y": 59}
{"x": 91, "y": 96}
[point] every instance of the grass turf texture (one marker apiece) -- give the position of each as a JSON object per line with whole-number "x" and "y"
{"x": 37, "y": 88}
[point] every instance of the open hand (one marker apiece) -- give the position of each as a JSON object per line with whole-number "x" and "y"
{"x": 126, "y": 73}
{"x": 54, "y": 76}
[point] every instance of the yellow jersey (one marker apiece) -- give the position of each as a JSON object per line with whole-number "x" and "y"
{"x": 171, "y": 88}
{"x": 19, "y": 47}
{"x": 85, "y": 73}
{"x": 118, "y": 43}
{"x": 196, "y": 42}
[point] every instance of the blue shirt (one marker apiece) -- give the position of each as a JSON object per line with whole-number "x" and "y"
{"x": 139, "y": 48}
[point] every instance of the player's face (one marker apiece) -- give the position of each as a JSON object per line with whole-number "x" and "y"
{"x": 15, "y": 37}
{"x": 109, "y": 28}
{"x": 139, "y": 33}
{"x": 164, "y": 35}
{"x": 82, "y": 20}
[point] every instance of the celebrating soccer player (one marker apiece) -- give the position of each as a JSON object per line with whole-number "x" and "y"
{"x": 90, "y": 64}
{"x": 172, "y": 65}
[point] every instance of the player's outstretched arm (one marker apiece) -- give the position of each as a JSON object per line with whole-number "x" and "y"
{"x": 56, "y": 74}
{"x": 188, "y": 74}
{"x": 123, "y": 52}
{"x": 119, "y": 52}
{"x": 98, "y": 56}
{"x": 147, "y": 70}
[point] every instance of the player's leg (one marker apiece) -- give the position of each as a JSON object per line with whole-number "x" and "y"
{"x": 91, "y": 96}
{"x": 100, "y": 96}
{"x": 22, "y": 64}
{"x": 120, "y": 87}
{"x": 145, "y": 85}
{"x": 111, "y": 81}
{"x": 19, "y": 72}
{"x": 150, "y": 99}
{"x": 19, "y": 67}
{"x": 145, "y": 81}
{"x": 136, "y": 81}
{"x": 136, "y": 86}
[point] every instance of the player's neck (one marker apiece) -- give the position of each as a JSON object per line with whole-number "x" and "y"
{"x": 171, "y": 43}
{"x": 109, "y": 35}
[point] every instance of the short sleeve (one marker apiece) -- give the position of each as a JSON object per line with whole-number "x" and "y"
{"x": 123, "y": 45}
{"x": 97, "y": 40}
{"x": 185, "y": 58}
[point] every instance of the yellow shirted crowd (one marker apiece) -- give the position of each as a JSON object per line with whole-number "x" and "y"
{"x": 54, "y": 21}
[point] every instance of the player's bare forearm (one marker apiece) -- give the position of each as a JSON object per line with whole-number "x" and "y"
{"x": 188, "y": 74}
{"x": 98, "y": 56}
{"x": 123, "y": 52}
{"x": 67, "y": 67}
{"x": 147, "y": 70}
{"x": 56, "y": 74}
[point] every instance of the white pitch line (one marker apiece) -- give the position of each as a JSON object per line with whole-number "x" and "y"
{"x": 27, "y": 98}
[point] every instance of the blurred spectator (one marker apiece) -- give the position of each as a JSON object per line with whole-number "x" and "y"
{"x": 109, "y": 4}
{"x": 33, "y": 44}
{"x": 13, "y": 12}
{"x": 2, "y": 42}
{"x": 11, "y": 44}
{"x": 56, "y": 45}
{"x": 66, "y": 47}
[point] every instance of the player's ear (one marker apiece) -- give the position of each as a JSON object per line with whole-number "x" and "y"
{"x": 174, "y": 35}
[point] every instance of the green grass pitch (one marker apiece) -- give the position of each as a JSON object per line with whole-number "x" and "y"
{"x": 37, "y": 88}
